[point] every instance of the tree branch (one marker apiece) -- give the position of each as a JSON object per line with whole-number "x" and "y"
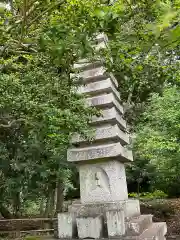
{"x": 12, "y": 123}
{"x": 44, "y": 12}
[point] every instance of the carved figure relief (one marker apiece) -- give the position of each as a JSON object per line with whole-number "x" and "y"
{"x": 98, "y": 180}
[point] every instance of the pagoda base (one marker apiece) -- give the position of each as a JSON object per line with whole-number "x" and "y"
{"x": 108, "y": 220}
{"x": 131, "y": 208}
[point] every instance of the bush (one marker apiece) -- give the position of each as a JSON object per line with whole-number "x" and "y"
{"x": 32, "y": 238}
{"x": 149, "y": 196}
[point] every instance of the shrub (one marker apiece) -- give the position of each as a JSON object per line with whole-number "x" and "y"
{"x": 32, "y": 238}
{"x": 149, "y": 196}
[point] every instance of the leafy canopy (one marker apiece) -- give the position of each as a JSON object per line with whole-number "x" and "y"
{"x": 158, "y": 136}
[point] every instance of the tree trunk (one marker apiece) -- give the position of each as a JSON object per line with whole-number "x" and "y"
{"x": 59, "y": 196}
{"x": 5, "y": 212}
{"x": 41, "y": 208}
{"x": 16, "y": 205}
{"x": 49, "y": 209}
{"x": 52, "y": 201}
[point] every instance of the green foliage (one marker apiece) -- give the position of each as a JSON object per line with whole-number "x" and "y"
{"x": 149, "y": 195}
{"x": 32, "y": 238}
{"x": 140, "y": 174}
{"x": 158, "y": 137}
{"x": 144, "y": 46}
{"x": 31, "y": 207}
{"x": 39, "y": 103}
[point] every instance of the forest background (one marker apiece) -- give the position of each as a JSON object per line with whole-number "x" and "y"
{"x": 40, "y": 108}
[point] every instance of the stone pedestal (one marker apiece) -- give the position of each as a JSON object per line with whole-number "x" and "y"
{"x": 130, "y": 207}
{"x": 115, "y": 223}
{"x": 90, "y": 227}
{"x": 67, "y": 225}
{"x": 104, "y": 209}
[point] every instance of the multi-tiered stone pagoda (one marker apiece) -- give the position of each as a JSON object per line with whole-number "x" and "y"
{"x": 104, "y": 210}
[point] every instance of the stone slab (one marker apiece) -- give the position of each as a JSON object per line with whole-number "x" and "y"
{"x": 156, "y": 231}
{"x": 131, "y": 208}
{"x": 100, "y": 45}
{"x": 100, "y": 87}
{"x": 105, "y": 134}
{"x": 102, "y": 152}
{"x": 103, "y": 182}
{"x": 115, "y": 223}
{"x": 110, "y": 116}
{"x": 92, "y": 72}
{"x": 90, "y": 227}
{"x": 137, "y": 225}
{"x": 87, "y": 65}
{"x": 101, "y": 42}
{"x": 66, "y": 225}
{"x": 105, "y": 101}
{"x": 101, "y": 37}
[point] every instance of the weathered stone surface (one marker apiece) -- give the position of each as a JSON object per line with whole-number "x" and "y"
{"x": 92, "y": 72}
{"x": 101, "y": 37}
{"x": 102, "y": 152}
{"x": 92, "y": 209}
{"x": 101, "y": 45}
{"x": 105, "y": 101}
{"x": 107, "y": 133}
{"x": 66, "y": 225}
{"x": 103, "y": 182}
{"x": 86, "y": 65}
{"x": 115, "y": 223}
{"x": 110, "y": 116}
{"x": 101, "y": 42}
{"x": 100, "y": 87}
{"x": 156, "y": 231}
{"x": 90, "y": 227}
{"x": 131, "y": 208}
{"x": 137, "y": 225}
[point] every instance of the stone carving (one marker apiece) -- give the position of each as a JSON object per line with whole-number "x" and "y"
{"x": 101, "y": 179}
{"x": 103, "y": 182}
{"x": 97, "y": 182}
{"x": 105, "y": 152}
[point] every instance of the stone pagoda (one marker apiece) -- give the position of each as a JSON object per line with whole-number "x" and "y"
{"x": 104, "y": 210}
